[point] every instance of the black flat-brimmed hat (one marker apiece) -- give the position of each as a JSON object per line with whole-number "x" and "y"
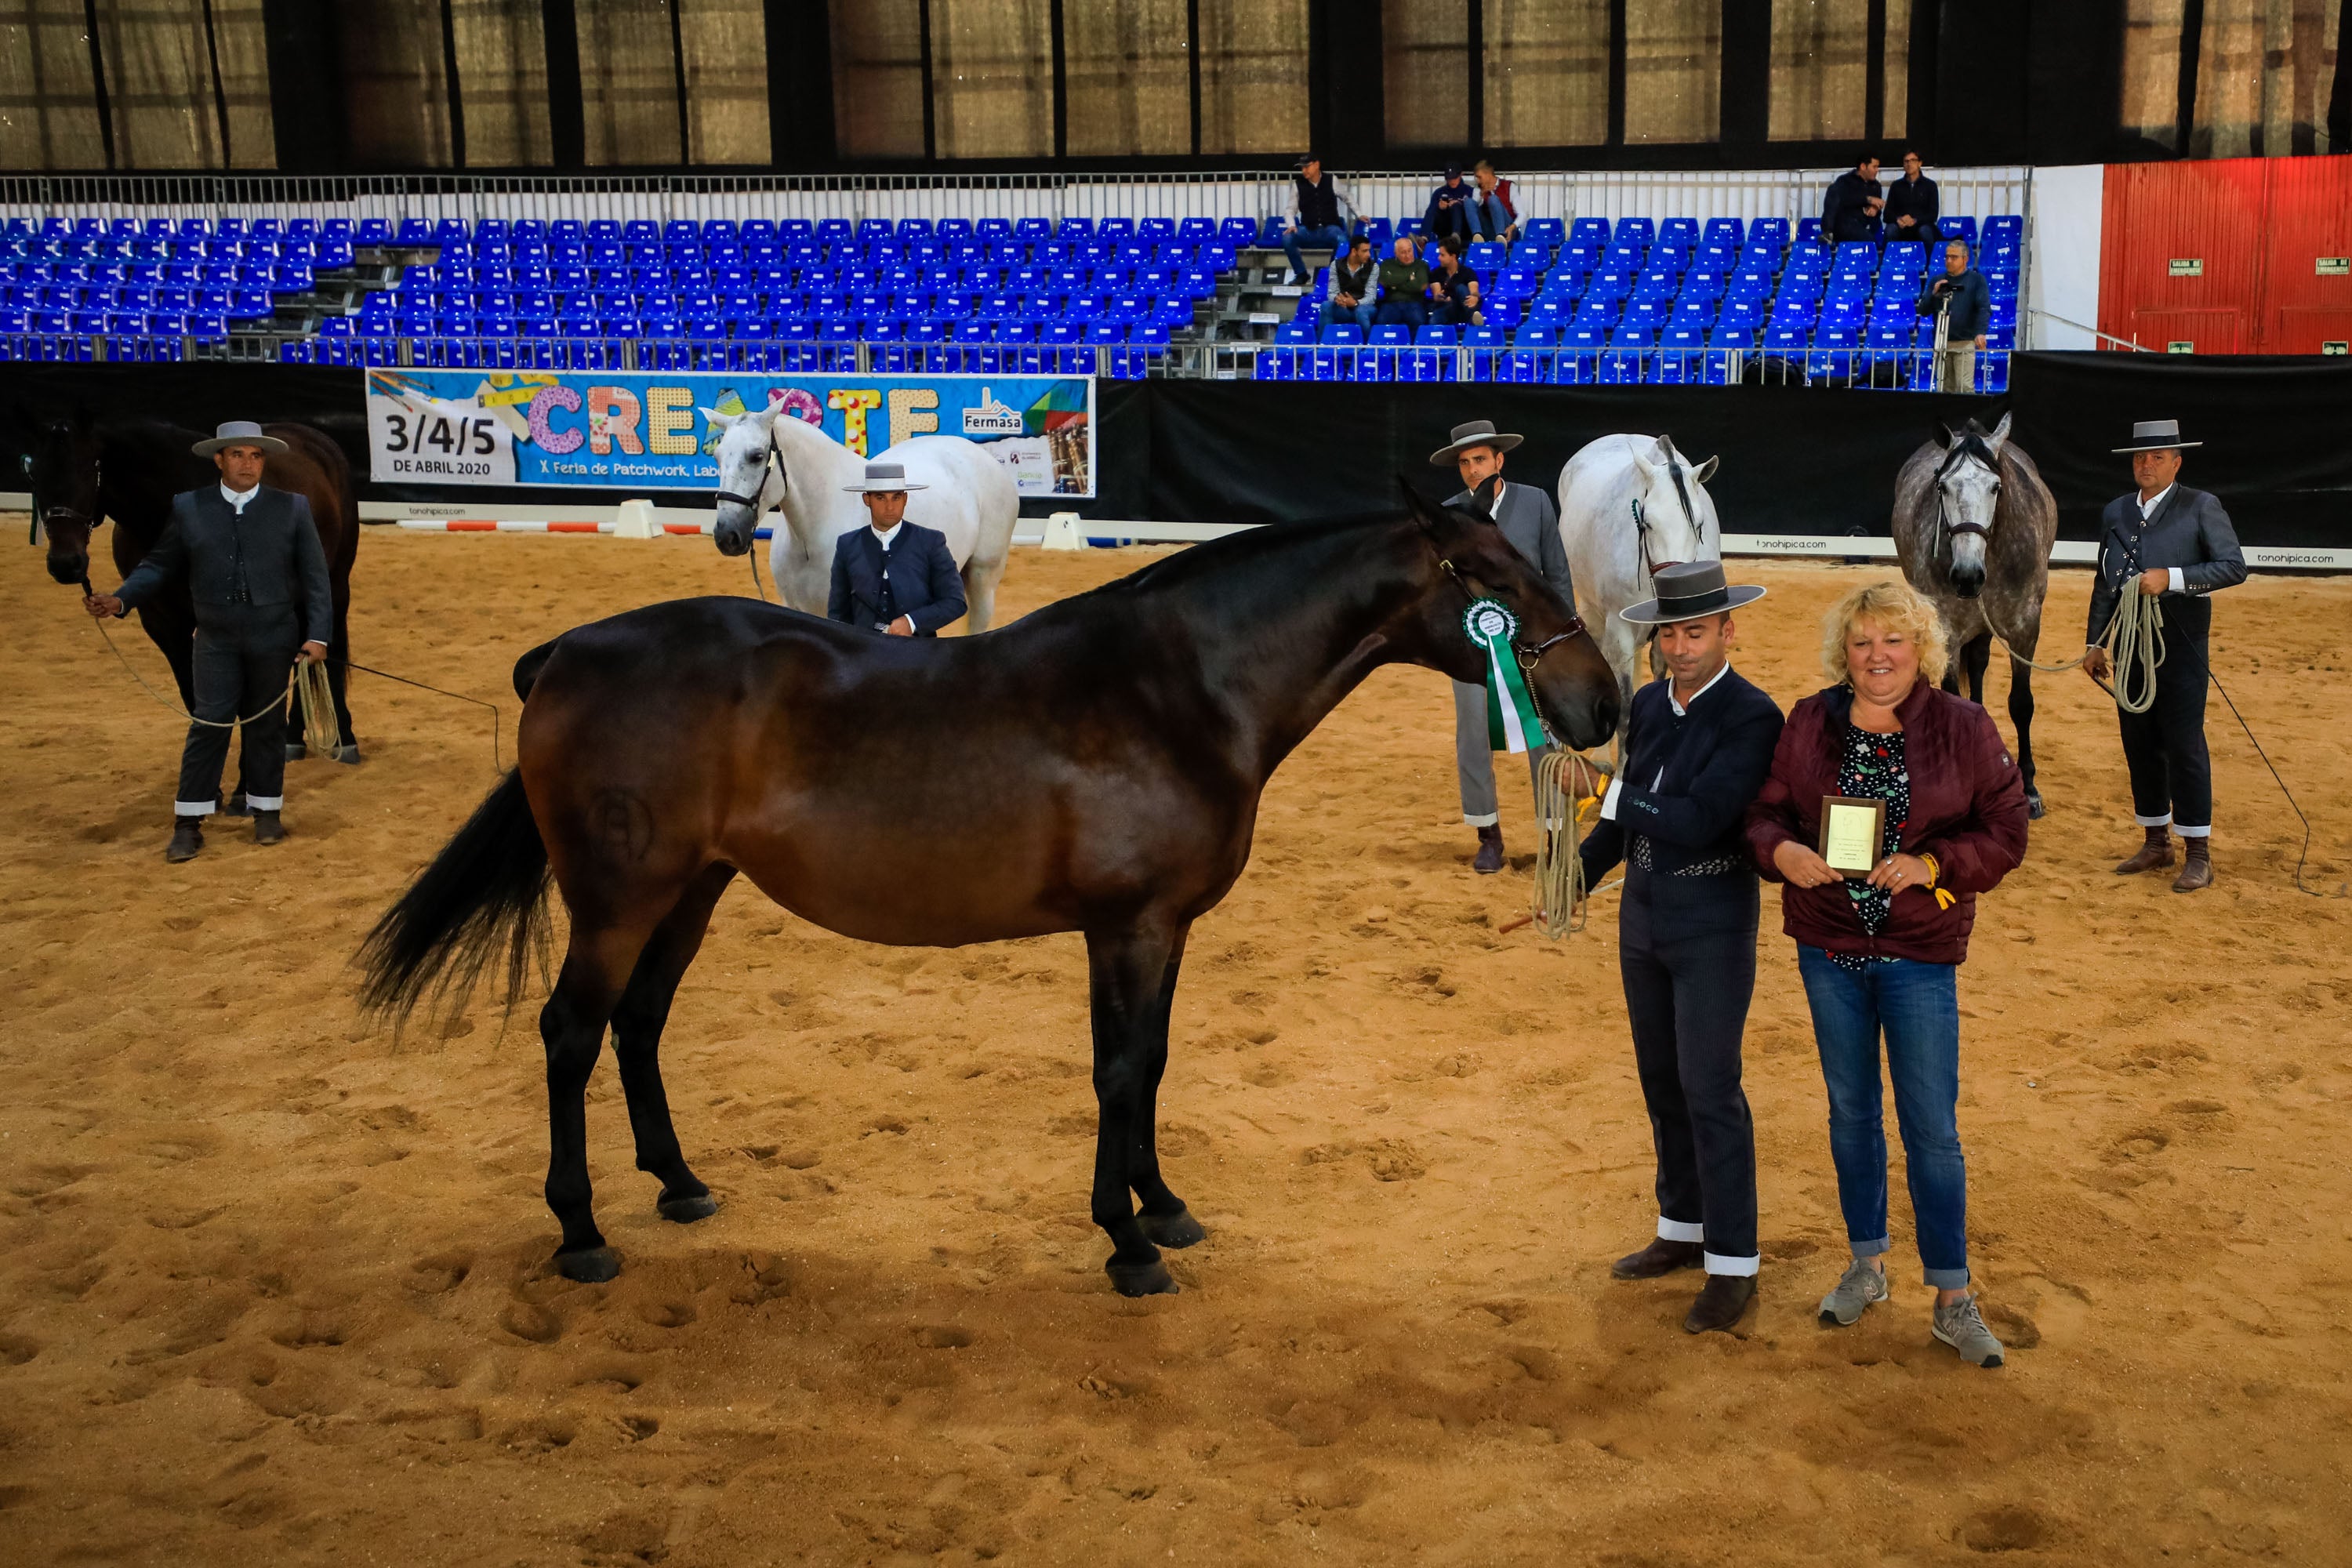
{"x": 238, "y": 433}
{"x": 883, "y": 479}
{"x": 2157, "y": 435}
{"x": 1687, "y": 590}
{"x": 1477, "y": 433}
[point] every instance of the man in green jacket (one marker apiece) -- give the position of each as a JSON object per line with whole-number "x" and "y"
{"x": 1404, "y": 285}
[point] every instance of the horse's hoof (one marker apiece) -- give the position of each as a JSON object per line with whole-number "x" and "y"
{"x": 590, "y": 1265}
{"x": 295, "y": 750}
{"x": 685, "y": 1211}
{"x": 1150, "y": 1278}
{"x": 2033, "y": 807}
{"x": 348, "y": 753}
{"x": 1177, "y": 1230}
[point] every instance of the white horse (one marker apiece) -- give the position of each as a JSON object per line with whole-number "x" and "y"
{"x": 1629, "y": 505}
{"x": 968, "y": 497}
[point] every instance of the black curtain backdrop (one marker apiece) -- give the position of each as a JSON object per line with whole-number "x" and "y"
{"x": 1795, "y": 460}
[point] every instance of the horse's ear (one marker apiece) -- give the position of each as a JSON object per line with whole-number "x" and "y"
{"x": 1642, "y": 465}
{"x": 1432, "y": 518}
{"x": 1998, "y": 433}
{"x": 1945, "y": 435}
{"x": 719, "y": 421}
{"x": 1706, "y": 471}
{"x": 1667, "y": 449}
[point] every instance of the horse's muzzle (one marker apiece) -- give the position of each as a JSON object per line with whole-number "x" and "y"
{"x": 1967, "y": 582}
{"x": 731, "y": 539}
{"x": 68, "y": 569}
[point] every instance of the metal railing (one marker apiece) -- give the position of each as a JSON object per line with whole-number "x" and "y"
{"x": 1913, "y": 369}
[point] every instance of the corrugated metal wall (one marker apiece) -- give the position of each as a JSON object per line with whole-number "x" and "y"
{"x": 2228, "y": 256}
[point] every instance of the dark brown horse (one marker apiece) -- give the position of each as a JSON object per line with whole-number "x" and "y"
{"x": 1095, "y": 766}
{"x": 83, "y": 474}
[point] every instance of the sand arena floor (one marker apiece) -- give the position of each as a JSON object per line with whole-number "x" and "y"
{"x": 273, "y": 1288}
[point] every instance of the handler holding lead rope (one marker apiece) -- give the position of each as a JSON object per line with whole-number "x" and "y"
{"x": 252, "y": 557}
{"x": 2179, "y": 544}
{"x": 1697, "y": 750}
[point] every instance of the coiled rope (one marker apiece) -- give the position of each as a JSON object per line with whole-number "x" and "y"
{"x": 2134, "y": 640}
{"x": 1567, "y": 786}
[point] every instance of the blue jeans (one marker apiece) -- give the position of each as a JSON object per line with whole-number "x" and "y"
{"x": 1916, "y": 1006}
{"x": 1360, "y": 313}
{"x": 1401, "y": 312}
{"x": 1332, "y": 239}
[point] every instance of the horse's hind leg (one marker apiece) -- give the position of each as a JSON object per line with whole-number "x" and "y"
{"x": 596, "y": 968}
{"x": 636, "y": 1040}
{"x": 1976, "y": 654}
{"x": 1164, "y": 1217}
{"x": 979, "y": 593}
{"x": 1127, "y": 968}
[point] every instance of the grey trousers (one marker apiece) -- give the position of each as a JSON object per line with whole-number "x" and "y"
{"x": 1475, "y": 759}
{"x": 243, "y": 656}
{"x": 1957, "y": 371}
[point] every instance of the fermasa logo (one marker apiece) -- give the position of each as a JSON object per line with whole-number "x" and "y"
{"x": 990, "y": 417}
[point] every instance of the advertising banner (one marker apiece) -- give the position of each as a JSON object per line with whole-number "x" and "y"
{"x": 650, "y": 430}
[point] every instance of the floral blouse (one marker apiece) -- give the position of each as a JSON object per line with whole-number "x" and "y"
{"x": 1873, "y": 767}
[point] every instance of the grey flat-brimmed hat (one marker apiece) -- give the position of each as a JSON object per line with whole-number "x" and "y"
{"x": 1687, "y": 590}
{"x": 881, "y": 478}
{"x": 2157, "y": 435}
{"x": 238, "y": 433}
{"x": 1477, "y": 433}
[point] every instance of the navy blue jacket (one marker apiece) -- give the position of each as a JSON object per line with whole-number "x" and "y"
{"x": 2189, "y": 531}
{"x": 1715, "y": 759}
{"x": 924, "y": 586}
{"x": 1972, "y": 308}
{"x": 1842, "y": 214}
{"x": 268, "y": 556}
{"x": 1449, "y": 212}
{"x": 1917, "y": 199}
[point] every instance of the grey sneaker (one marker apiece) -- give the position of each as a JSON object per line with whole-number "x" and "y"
{"x": 1960, "y": 1327}
{"x": 1862, "y": 1288}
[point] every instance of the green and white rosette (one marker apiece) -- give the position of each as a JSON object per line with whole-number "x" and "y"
{"x": 1512, "y": 722}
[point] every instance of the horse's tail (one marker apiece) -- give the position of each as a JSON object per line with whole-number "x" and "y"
{"x": 483, "y": 898}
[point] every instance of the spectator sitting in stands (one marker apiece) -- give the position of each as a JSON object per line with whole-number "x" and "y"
{"x": 1965, "y": 299}
{"x": 1492, "y": 215}
{"x": 1405, "y": 288}
{"x": 1316, "y": 204}
{"x": 1355, "y": 284}
{"x": 1453, "y": 288}
{"x": 1912, "y": 205}
{"x": 1449, "y": 209}
{"x": 1850, "y": 210}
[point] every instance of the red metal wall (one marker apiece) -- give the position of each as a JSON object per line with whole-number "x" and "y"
{"x": 2258, "y": 225}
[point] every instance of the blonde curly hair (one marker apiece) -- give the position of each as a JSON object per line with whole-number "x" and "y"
{"x": 1892, "y": 606}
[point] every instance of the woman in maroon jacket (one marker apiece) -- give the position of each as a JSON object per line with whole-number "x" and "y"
{"x": 1880, "y": 956}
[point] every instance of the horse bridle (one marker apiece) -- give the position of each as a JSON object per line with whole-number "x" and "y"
{"x": 773, "y": 458}
{"x": 1642, "y": 522}
{"x": 1966, "y": 446}
{"x": 1527, "y": 656}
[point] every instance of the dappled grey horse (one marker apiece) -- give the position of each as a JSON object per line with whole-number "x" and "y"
{"x": 1973, "y": 525}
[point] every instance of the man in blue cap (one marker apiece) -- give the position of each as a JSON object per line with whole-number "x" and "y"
{"x": 892, "y": 577}
{"x": 252, "y": 559}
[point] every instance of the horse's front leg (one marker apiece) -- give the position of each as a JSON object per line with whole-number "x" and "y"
{"x": 1165, "y": 1219}
{"x": 1129, "y": 969}
{"x": 2020, "y": 714}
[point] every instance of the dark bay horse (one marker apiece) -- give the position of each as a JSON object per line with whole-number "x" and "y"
{"x": 1973, "y": 524}
{"x": 83, "y": 474}
{"x": 1124, "y": 737}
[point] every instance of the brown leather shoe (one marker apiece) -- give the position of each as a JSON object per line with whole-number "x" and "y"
{"x": 2197, "y": 871}
{"x": 1490, "y": 851}
{"x": 267, "y": 828}
{"x": 1721, "y": 1304}
{"x": 2154, "y": 855}
{"x": 1658, "y": 1260}
{"x": 187, "y": 839}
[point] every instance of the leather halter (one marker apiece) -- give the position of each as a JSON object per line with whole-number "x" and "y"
{"x": 1527, "y": 656}
{"x": 1650, "y": 564}
{"x": 1969, "y": 445}
{"x": 774, "y": 457}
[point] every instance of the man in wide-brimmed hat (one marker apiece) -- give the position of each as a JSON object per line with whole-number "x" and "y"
{"x": 1525, "y": 515}
{"x": 2178, "y": 542}
{"x": 892, "y": 577}
{"x": 1698, "y": 747}
{"x": 258, "y": 575}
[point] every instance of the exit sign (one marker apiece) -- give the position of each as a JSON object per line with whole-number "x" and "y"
{"x": 2334, "y": 266}
{"x": 2188, "y": 266}
{"x": 2180, "y": 346}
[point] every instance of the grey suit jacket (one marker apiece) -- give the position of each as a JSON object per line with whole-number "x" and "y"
{"x": 2189, "y": 530}
{"x": 1528, "y": 522}
{"x": 267, "y": 556}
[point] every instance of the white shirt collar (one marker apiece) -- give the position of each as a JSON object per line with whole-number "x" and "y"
{"x": 2147, "y": 508}
{"x": 888, "y": 539}
{"x": 1495, "y": 511}
{"x": 1681, "y": 709}
{"x": 238, "y": 500}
